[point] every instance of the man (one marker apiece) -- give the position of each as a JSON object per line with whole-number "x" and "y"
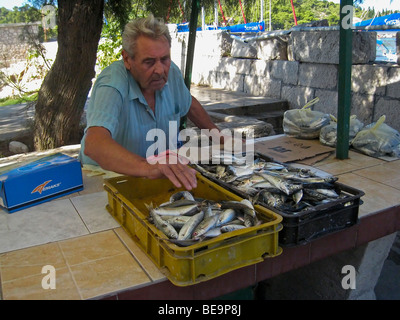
{"x": 142, "y": 92}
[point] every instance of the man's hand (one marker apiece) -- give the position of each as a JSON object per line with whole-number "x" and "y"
{"x": 174, "y": 167}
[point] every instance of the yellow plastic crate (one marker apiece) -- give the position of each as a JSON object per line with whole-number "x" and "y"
{"x": 204, "y": 260}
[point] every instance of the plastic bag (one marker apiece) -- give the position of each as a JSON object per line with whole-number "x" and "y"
{"x": 304, "y": 123}
{"x": 328, "y": 134}
{"x": 378, "y": 139}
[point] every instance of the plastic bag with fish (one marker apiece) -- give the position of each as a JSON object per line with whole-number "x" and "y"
{"x": 305, "y": 123}
{"x": 378, "y": 139}
{"x": 328, "y": 133}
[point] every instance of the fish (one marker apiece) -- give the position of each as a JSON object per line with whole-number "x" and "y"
{"x": 176, "y": 221}
{"x": 187, "y": 209}
{"x": 278, "y": 182}
{"x": 212, "y": 233}
{"x": 204, "y": 226}
{"x": 181, "y": 195}
{"x": 277, "y": 185}
{"x": 188, "y": 228}
{"x": 205, "y": 223}
{"x": 231, "y": 227}
{"x": 225, "y": 216}
{"x": 177, "y": 203}
{"x": 163, "y": 225}
{"x": 272, "y": 199}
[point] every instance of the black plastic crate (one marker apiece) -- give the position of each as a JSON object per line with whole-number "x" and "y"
{"x": 302, "y": 227}
{"x": 305, "y": 226}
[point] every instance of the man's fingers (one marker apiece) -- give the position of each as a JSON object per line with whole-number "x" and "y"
{"x": 180, "y": 174}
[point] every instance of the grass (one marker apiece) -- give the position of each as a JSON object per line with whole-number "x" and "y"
{"x": 29, "y": 97}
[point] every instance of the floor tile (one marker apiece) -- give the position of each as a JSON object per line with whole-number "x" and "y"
{"x": 92, "y": 247}
{"x": 380, "y": 173}
{"x": 148, "y": 266}
{"x": 114, "y": 273}
{"x": 30, "y": 261}
{"x": 377, "y": 196}
{"x": 47, "y": 222}
{"x": 92, "y": 209}
{"x": 21, "y": 274}
{"x": 30, "y": 288}
{"x": 337, "y": 167}
{"x": 360, "y": 160}
{"x": 101, "y": 264}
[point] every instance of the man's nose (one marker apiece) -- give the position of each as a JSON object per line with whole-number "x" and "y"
{"x": 158, "y": 67}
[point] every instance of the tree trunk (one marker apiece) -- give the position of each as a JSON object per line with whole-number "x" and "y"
{"x": 64, "y": 90}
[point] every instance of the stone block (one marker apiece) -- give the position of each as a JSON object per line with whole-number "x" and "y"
{"x": 234, "y": 65}
{"x": 328, "y": 101}
{"x": 273, "y": 49}
{"x": 286, "y": 71}
{"x": 362, "y": 105}
{"x": 297, "y": 96}
{"x": 391, "y": 109}
{"x": 260, "y": 68}
{"x": 262, "y": 86}
{"x": 242, "y": 49}
{"x": 323, "y": 46}
{"x": 315, "y": 75}
{"x": 369, "y": 79}
{"x": 393, "y": 86}
{"x": 226, "y": 81}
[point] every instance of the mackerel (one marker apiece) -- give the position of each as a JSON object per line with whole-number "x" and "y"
{"x": 204, "y": 226}
{"x": 231, "y": 227}
{"x": 187, "y": 229}
{"x": 176, "y": 211}
{"x": 226, "y": 216}
{"x": 181, "y": 195}
{"x": 164, "y": 226}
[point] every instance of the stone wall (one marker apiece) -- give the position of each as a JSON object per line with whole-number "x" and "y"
{"x": 297, "y": 67}
{"x": 14, "y": 42}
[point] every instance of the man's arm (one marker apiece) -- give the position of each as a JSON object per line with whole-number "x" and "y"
{"x": 199, "y": 116}
{"x": 102, "y": 148}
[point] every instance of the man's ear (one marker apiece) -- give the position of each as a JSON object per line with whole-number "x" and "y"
{"x": 125, "y": 57}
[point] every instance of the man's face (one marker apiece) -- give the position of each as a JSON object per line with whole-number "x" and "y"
{"x": 151, "y": 63}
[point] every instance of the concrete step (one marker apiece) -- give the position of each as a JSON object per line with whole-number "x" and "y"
{"x": 240, "y": 111}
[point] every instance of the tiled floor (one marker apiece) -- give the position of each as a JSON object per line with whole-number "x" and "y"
{"x": 94, "y": 257}
{"x": 376, "y": 178}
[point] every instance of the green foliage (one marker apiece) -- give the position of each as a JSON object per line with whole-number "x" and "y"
{"x": 22, "y": 14}
{"x": 109, "y": 49}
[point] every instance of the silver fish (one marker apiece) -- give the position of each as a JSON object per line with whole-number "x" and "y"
{"x": 176, "y": 221}
{"x": 231, "y": 227}
{"x": 272, "y": 199}
{"x": 204, "y": 226}
{"x": 188, "y": 228}
{"x": 277, "y": 182}
{"x": 297, "y": 196}
{"x": 225, "y": 216}
{"x": 164, "y": 226}
{"x": 181, "y": 195}
{"x": 212, "y": 233}
{"x": 176, "y": 211}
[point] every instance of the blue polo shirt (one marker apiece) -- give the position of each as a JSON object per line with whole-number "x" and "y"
{"x": 117, "y": 104}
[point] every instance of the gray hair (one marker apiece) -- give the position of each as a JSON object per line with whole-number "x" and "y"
{"x": 149, "y": 27}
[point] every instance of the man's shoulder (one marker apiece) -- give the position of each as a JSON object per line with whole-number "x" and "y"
{"x": 116, "y": 70}
{"x": 114, "y": 76}
{"x": 175, "y": 69}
